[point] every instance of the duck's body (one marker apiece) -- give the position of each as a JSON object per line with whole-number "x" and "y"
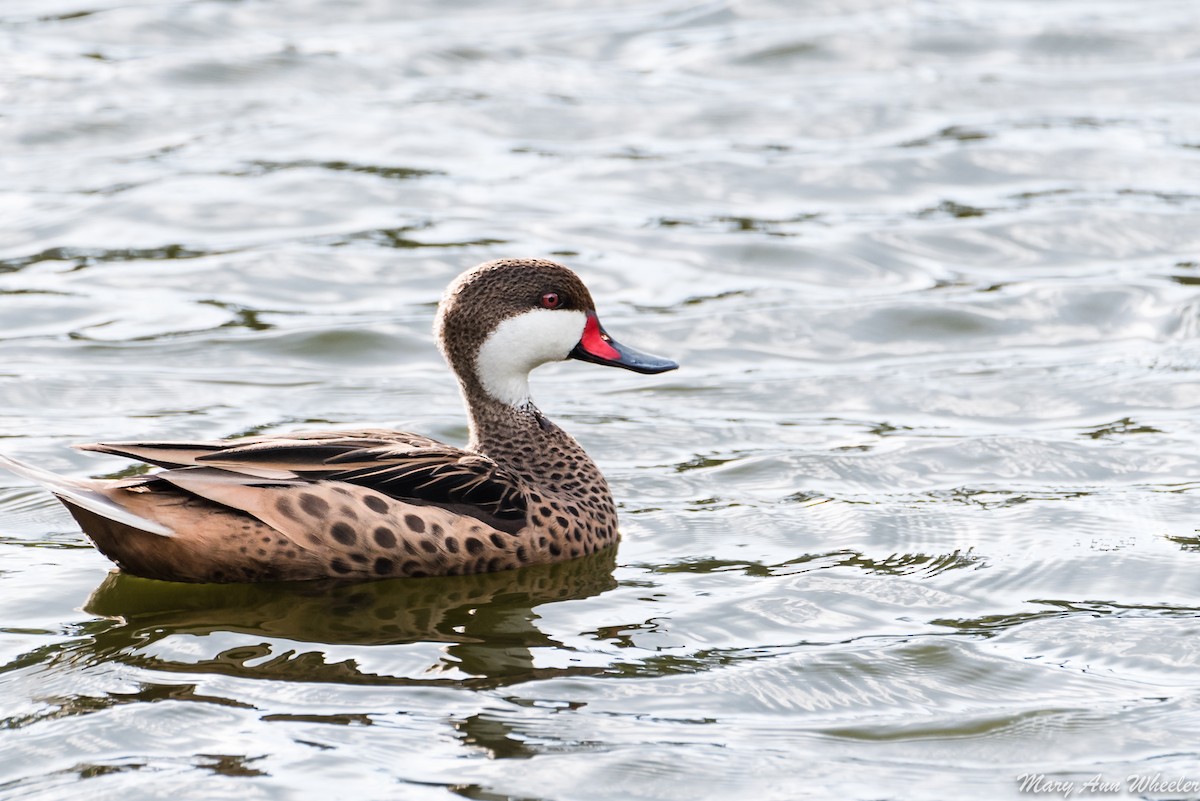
{"x": 375, "y": 504}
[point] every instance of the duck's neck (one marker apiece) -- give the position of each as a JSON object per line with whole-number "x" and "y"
{"x": 522, "y": 439}
{"x": 506, "y": 432}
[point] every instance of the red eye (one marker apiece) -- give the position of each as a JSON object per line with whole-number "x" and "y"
{"x": 550, "y": 300}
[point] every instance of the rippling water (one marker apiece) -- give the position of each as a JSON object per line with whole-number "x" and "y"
{"x": 918, "y": 517}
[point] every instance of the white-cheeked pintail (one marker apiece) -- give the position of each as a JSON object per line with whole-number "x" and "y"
{"x": 374, "y": 504}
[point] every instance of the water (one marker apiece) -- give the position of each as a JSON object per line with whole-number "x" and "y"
{"x": 917, "y": 518}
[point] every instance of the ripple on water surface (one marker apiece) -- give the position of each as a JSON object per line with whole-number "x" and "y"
{"x": 917, "y": 517}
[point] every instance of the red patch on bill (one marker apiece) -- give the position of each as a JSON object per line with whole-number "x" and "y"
{"x": 595, "y": 342}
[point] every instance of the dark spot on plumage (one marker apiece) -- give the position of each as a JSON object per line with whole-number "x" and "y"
{"x": 544, "y": 511}
{"x": 435, "y": 479}
{"x": 578, "y": 535}
{"x": 560, "y": 464}
{"x": 341, "y": 490}
{"x": 535, "y": 498}
{"x": 497, "y": 540}
{"x": 415, "y": 523}
{"x": 385, "y": 537}
{"x": 409, "y": 566}
{"x": 262, "y": 551}
{"x": 522, "y": 555}
{"x": 429, "y": 546}
{"x": 555, "y": 550}
{"x": 493, "y": 564}
{"x": 383, "y": 566}
{"x": 436, "y": 530}
{"x": 347, "y": 512}
{"x": 556, "y": 476}
{"x": 542, "y": 542}
{"x": 376, "y": 504}
{"x": 573, "y": 511}
{"x": 313, "y": 505}
{"x": 451, "y": 545}
{"x": 284, "y": 505}
{"x": 242, "y": 549}
{"x": 481, "y": 565}
{"x": 574, "y": 553}
{"x": 361, "y": 558}
{"x": 474, "y": 546}
{"x": 339, "y": 566}
{"x": 562, "y": 521}
{"x": 343, "y": 533}
{"x": 535, "y": 520}
{"x": 409, "y": 548}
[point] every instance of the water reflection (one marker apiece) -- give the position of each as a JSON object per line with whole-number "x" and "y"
{"x": 896, "y": 564}
{"x": 80, "y": 258}
{"x": 486, "y": 626}
{"x": 495, "y": 736}
{"x": 487, "y": 622}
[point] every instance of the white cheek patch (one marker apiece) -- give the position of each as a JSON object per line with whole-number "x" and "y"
{"x": 520, "y": 344}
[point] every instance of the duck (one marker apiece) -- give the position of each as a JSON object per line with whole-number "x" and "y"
{"x": 375, "y": 504}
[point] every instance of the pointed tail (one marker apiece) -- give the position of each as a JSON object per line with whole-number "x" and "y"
{"x": 85, "y": 495}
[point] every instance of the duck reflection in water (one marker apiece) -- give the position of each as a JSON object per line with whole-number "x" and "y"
{"x": 487, "y": 621}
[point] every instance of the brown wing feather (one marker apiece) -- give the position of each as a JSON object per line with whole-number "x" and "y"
{"x": 161, "y": 454}
{"x": 190, "y": 453}
{"x": 403, "y": 466}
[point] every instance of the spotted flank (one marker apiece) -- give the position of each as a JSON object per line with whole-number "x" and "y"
{"x": 378, "y": 504}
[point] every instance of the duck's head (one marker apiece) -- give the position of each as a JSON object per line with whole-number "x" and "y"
{"x": 503, "y": 318}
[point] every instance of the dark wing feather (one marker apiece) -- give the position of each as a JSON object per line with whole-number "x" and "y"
{"x": 297, "y": 451}
{"x": 298, "y": 456}
{"x": 160, "y": 454}
{"x": 404, "y": 466}
{"x": 446, "y": 477}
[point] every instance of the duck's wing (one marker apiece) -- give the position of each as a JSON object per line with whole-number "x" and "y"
{"x": 405, "y": 467}
{"x": 461, "y": 481}
{"x": 304, "y": 448}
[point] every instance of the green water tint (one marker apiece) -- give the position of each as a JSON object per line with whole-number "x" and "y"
{"x": 461, "y": 611}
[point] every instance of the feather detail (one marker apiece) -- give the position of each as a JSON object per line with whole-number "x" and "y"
{"x": 89, "y": 495}
{"x": 401, "y": 466}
